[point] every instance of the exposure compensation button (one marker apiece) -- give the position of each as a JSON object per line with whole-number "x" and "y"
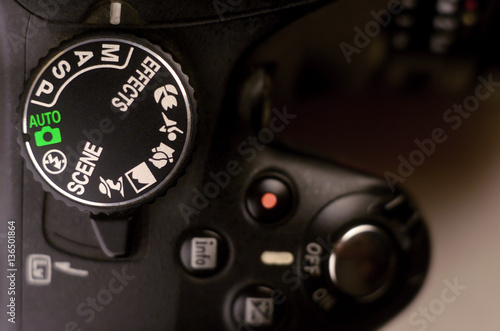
{"x": 258, "y": 307}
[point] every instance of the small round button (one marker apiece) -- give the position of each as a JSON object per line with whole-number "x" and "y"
{"x": 258, "y": 308}
{"x": 269, "y": 199}
{"x": 363, "y": 262}
{"x": 203, "y": 253}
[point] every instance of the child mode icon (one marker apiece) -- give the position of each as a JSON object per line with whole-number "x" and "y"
{"x": 162, "y": 156}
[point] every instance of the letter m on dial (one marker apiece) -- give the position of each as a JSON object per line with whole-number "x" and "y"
{"x": 107, "y": 53}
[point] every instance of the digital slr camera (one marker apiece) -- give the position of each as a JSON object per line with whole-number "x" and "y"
{"x": 161, "y": 161}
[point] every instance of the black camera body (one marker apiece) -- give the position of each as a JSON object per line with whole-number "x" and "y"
{"x": 214, "y": 224}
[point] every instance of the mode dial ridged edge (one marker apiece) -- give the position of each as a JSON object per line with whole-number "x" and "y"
{"x": 54, "y": 51}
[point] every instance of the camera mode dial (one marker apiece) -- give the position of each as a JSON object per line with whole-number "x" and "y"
{"x": 107, "y": 122}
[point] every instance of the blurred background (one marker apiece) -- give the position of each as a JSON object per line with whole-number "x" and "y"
{"x": 363, "y": 98}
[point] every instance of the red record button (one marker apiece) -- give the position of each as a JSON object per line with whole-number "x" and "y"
{"x": 269, "y": 199}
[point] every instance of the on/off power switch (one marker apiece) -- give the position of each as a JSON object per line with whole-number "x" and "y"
{"x": 203, "y": 253}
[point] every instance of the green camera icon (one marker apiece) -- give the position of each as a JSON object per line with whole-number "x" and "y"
{"x": 47, "y": 136}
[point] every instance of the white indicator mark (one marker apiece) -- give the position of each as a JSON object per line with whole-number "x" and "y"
{"x": 65, "y": 267}
{"x": 277, "y": 258}
{"x": 115, "y": 13}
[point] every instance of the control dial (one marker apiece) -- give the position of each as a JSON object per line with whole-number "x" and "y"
{"x": 107, "y": 122}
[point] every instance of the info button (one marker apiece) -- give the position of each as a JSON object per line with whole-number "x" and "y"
{"x": 203, "y": 252}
